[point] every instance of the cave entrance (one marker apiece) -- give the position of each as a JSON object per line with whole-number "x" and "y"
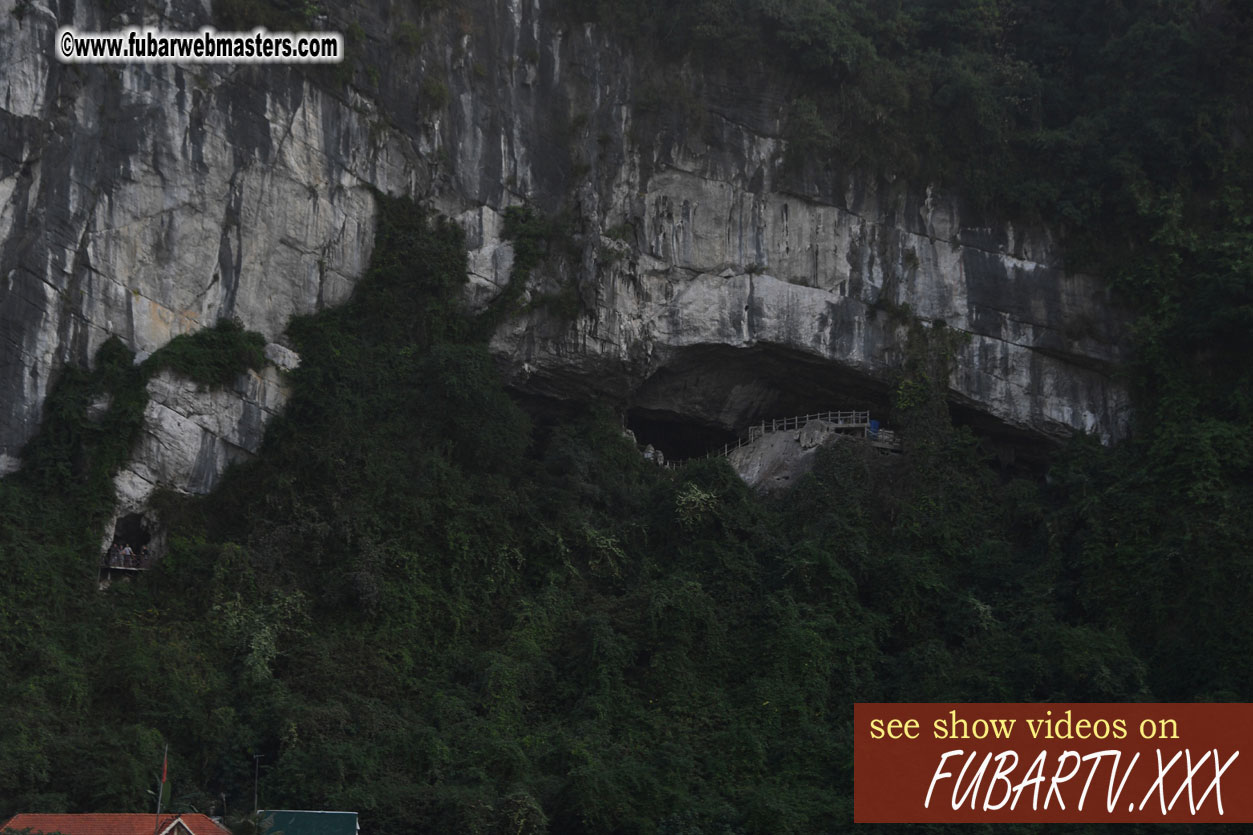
{"x": 703, "y": 397}
{"x": 677, "y": 437}
{"x": 128, "y": 550}
{"x": 707, "y": 396}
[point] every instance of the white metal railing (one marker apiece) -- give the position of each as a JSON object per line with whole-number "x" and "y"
{"x": 116, "y": 559}
{"x": 843, "y": 420}
{"x": 849, "y": 419}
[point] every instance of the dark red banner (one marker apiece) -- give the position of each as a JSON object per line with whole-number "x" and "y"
{"x": 1053, "y": 763}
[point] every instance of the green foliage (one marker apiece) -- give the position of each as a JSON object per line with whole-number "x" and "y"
{"x": 1061, "y": 110}
{"x": 85, "y": 754}
{"x": 420, "y": 604}
{"x": 91, "y": 422}
{"x": 532, "y": 236}
{"x": 920, "y": 408}
{"x": 211, "y": 356}
{"x": 409, "y": 37}
{"x": 92, "y": 418}
{"x": 808, "y": 136}
{"x": 535, "y": 239}
{"x": 433, "y": 95}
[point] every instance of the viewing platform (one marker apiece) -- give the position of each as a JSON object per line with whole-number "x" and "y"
{"x": 856, "y": 425}
{"x": 853, "y": 424}
{"x": 125, "y": 564}
{"x": 117, "y": 566}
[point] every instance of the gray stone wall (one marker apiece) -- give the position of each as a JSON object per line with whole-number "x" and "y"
{"x": 149, "y": 200}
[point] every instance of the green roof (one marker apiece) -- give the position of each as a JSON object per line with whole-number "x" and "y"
{"x": 290, "y": 822}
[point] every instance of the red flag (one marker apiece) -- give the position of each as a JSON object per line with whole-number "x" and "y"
{"x": 165, "y": 763}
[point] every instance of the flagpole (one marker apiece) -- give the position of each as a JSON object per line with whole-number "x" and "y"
{"x": 165, "y": 761}
{"x": 256, "y": 775}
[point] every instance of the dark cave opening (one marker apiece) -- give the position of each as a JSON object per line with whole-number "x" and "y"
{"x": 677, "y": 438}
{"x": 1014, "y": 451}
{"x": 706, "y": 396}
{"x": 132, "y": 529}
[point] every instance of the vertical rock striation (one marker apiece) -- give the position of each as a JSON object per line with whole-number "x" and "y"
{"x": 145, "y": 201}
{"x": 712, "y": 281}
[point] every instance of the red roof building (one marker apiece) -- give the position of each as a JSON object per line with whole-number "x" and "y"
{"x": 121, "y": 824}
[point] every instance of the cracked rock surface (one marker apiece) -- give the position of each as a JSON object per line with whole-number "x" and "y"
{"x": 718, "y": 266}
{"x": 712, "y": 281}
{"x": 192, "y": 433}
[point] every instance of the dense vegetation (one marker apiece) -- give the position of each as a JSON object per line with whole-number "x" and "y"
{"x": 422, "y": 605}
{"x": 1124, "y": 125}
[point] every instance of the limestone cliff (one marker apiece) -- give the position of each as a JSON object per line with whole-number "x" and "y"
{"x": 736, "y": 304}
{"x": 191, "y": 433}
{"x": 714, "y": 281}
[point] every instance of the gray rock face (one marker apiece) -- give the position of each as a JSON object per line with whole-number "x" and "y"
{"x": 145, "y": 201}
{"x": 149, "y": 200}
{"x": 191, "y": 434}
{"x": 737, "y": 306}
{"x": 778, "y": 460}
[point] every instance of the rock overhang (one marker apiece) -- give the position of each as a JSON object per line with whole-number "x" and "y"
{"x": 250, "y": 197}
